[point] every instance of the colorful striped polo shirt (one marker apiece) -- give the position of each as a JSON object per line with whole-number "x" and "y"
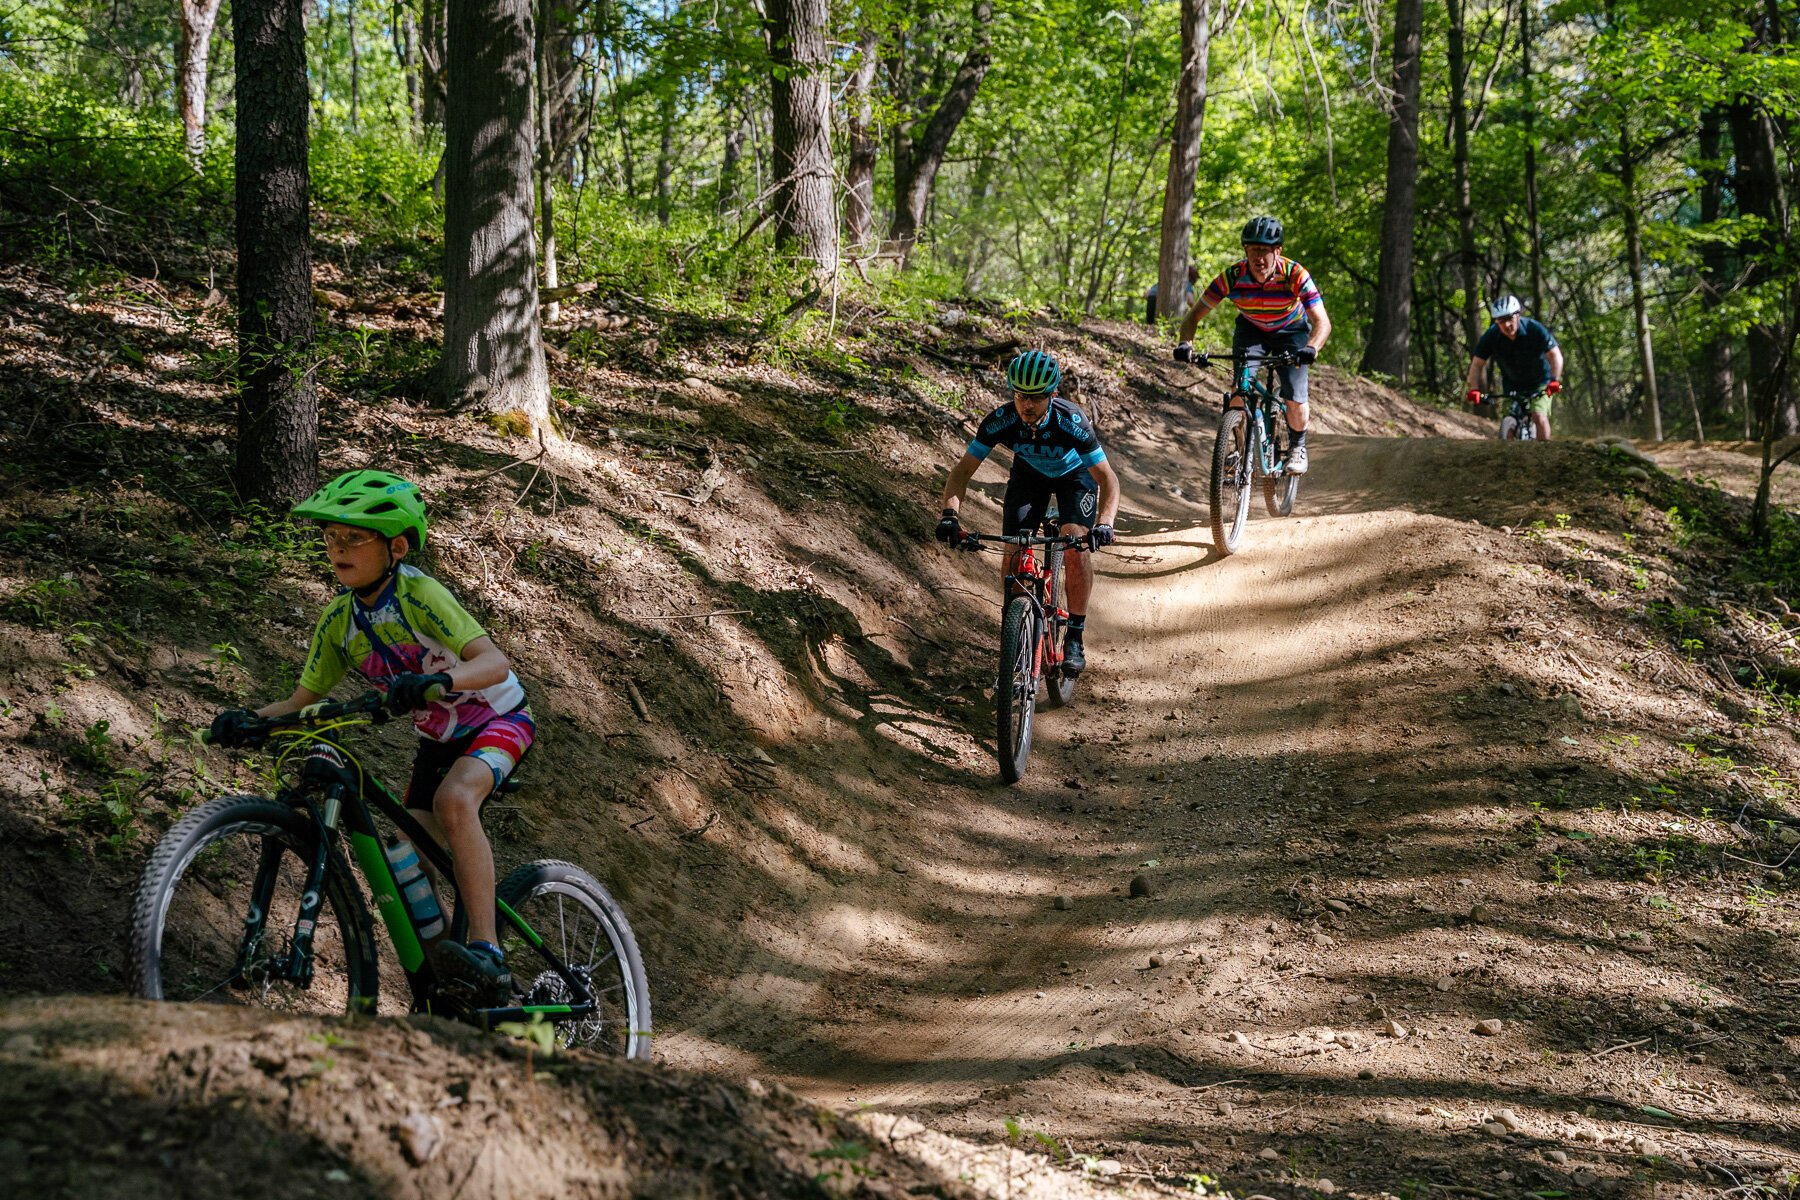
{"x": 1275, "y": 304}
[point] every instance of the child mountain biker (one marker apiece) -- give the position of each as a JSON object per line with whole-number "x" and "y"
{"x": 1531, "y": 362}
{"x": 402, "y": 631}
{"x": 1055, "y": 453}
{"x": 1279, "y": 308}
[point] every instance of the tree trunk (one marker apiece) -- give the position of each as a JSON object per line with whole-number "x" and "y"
{"x": 1718, "y": 386}
{"x": 1176, "y": 251}
{"x": 915, "y": 173}
{"x": 193, "y": 54}
{"x": 801, "y": 85}
{"x": 665, "y": 157}
{"x": 1390, "y": 337}
{"x": 355, "y": 64}
{"x": 546, "y": 154}
{"x": 859, "y": 183}
{"x": 731, "y": 156}
{"x": 433, "y": 60}
{"x": 1465, "y": 207}
{"x": 404, "y": 32}
{"x": 277, "y": 411}
{"x": 1534, "y": 233}
{"x": 1634, "y": 255}
{"x": 493, "y": 351}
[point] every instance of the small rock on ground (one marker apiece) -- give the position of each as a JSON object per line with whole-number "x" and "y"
{"x": 1489, "y": 1027}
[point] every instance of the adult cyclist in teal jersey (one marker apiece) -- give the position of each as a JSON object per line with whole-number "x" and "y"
{"x": 1279, "y": 309}
{"x": 402, "y": 631}
{"x": 1055, "y": 453}
{"x": 1531, "y": 363}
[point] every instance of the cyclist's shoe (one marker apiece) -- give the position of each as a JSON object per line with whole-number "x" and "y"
{"x": 1296, "y": 463}
{"x": 474, "y": 974}
{"x": 1074, "y": 661}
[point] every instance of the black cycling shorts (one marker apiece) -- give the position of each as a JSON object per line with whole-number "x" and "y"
{"x": 1028, "y": 499}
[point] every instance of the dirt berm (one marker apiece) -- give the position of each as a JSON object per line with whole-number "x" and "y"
{"x": 1463, "y": 799}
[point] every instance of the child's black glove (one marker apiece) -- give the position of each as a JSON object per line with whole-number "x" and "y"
{"x": 407, "y": 690}
{"x": 232, "y": 727}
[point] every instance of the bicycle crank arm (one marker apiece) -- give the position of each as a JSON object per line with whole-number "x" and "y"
{"x": 488, "y": 1018}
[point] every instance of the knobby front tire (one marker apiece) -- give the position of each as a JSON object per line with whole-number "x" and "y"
{"x": 1234, "y": 453}
{"x": 585, "y": 927}
{"x": 1015, "y": 691}
{"x": 188, "y": 919}
{"x": 1059, "y": 689}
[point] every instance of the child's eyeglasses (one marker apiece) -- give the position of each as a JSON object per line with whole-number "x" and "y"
{"x": 349, "y": 541}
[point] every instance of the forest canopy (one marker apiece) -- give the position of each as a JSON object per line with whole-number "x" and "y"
{"x": 1626, "y": 169}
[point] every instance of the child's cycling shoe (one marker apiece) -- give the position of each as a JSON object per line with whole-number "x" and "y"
{"x": 475, "y": 974}
{"x": 1296, "y": 463}
{"x": 1074, "y": 661}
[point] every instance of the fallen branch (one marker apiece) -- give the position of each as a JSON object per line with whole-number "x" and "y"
{"x": 694, "y": 833}
{"x": 705, "y": 616}
{"x": 637, "y": 700}
{"x": 1620, "y": 1046}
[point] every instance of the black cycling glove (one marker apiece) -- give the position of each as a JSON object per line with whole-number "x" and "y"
{"x": 1305, "y": 354}
{"x": 407, "y": 691}
{"x": 949, "y": 530}
{"x": 232, "y": 727}
{"x": 1100, "y": 535}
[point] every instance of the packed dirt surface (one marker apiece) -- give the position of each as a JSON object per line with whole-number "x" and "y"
{"x": 1439, "y": 842}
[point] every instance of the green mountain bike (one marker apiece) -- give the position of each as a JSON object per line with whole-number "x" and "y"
{"x": 1248, "y": 451}
{"x": 250, "y": 900}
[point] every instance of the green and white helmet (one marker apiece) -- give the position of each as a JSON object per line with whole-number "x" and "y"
{"x": 1034, "y": 373}
{"x": 388, "y": 504}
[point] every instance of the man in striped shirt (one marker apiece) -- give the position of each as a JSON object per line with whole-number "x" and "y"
{"x": 1279, "y": 308}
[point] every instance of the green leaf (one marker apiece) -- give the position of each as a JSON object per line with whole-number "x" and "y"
{"x": 1568, "y": 741}
{"x": 1657, "y": 1112}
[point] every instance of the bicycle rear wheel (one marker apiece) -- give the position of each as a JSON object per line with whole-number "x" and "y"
{"x": 584, "y": 927}
{"x": 1234, "y": 451}
{"x": 1015, "y": 691}
{"x": 1059, "y": 688}
{"x": 227, "y": 862}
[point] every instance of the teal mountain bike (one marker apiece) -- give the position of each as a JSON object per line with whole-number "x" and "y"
{"x": 250, "y": 900}
{"x": 1249, "y": 452}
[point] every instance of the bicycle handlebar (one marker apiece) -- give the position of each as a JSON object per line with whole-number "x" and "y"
{"x": 1285, "y": 358}
{"x": 973, "y": 541}
{"x": 371, "y": 704}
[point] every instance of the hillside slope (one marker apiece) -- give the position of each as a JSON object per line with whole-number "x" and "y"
{"x": 1473, "y": 736}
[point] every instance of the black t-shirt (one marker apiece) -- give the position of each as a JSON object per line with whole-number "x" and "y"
{"x": 1524, "y": 365}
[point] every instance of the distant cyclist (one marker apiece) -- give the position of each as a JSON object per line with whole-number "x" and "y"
{"x": 1531, "y": 363}
{"x": 1279, "y": 308}
{"x": 1055, "y": 453}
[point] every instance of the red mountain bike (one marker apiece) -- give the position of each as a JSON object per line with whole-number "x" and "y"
{"x": 1031, "y": 628}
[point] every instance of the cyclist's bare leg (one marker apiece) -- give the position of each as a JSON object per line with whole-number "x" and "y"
{"x": 1009, "y": 562}
{"x": 1298, "y": 413}
{"x": 458, "y": 808}
{"x": 1078, "y": 579}
{"x": 1542, "y": 422}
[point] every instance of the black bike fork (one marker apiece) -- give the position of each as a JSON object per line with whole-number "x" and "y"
{"x": 298, "y": 969}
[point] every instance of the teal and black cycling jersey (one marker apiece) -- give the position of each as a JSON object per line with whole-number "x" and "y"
{"x": 1062, "y": 443}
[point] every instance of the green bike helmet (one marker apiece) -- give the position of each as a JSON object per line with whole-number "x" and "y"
{"x": 1034, "y": 373}
{"x": 1262, "y": 231}
{"x": 388, "y": 504}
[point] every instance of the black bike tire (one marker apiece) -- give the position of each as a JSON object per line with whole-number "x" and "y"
{"x": 546, "y": 876}
{"x": 1013, "y": 709}
{"x": 206, "y": 825}
{"x": 1059, "y": 689}
{"x": 1234, "y": 430}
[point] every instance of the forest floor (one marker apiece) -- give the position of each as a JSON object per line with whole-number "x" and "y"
{"x": 1467, "y": 829}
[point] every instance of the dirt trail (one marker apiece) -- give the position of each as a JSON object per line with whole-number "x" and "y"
{"x": 1320, "y": 754}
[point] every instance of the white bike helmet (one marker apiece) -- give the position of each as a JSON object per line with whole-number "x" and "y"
{"x": 1503, "y": 306}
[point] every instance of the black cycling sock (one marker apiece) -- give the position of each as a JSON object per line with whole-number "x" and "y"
{"x": 1296, "y": 437}
{"x": 1077, "y": 624}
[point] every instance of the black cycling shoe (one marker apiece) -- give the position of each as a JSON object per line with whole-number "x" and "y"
{"x": 1074, "y": 661}
{"x": 472, "y": 975}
